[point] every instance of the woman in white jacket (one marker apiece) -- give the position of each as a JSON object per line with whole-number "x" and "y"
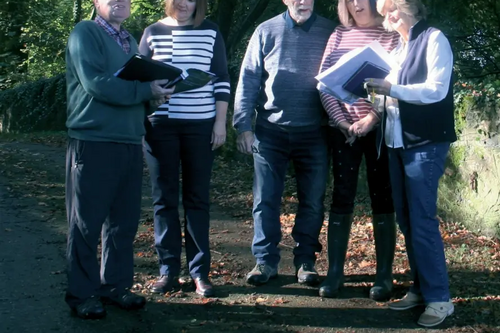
{"x": 418, "y": 127}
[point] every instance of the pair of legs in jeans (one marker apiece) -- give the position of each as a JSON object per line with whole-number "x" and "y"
{"x": 169, "y": 144}
{"x": 346, "y": 160}
{"x": 274, "y": 148}
{"x": 415, "y": 175}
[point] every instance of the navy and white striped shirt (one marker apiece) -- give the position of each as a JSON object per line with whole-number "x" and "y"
{"x": 188, "y": 47}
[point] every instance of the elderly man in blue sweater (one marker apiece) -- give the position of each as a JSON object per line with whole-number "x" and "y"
{"x": 277, "y": 84}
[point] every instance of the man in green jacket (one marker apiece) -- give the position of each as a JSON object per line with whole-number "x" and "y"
{"x": 104, "y": 161}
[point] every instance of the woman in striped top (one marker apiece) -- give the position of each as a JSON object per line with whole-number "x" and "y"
{"x": 185, "y": 131}
{"x": 352, "y": 136}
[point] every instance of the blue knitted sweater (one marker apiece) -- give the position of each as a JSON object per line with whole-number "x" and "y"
{"x": 277, "y": 74}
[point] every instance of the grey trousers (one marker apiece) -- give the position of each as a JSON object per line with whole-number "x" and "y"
{"x": 103, "y": 198}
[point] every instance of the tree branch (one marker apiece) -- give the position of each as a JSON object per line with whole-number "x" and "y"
{"x": 225, "y": 13}
{"x": 497, "y": 73}
{"x": 242, "y": 27}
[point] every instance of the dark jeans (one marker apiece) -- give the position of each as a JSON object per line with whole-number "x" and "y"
{"x": 415, "y": 175}
{"x": 273, "y": 150}
{"x": 346, "y": 160}
{"x": 168, "y": 144}
{"x": 103, "y": 195}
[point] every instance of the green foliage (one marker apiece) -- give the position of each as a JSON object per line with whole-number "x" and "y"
{"x": 44, "y": 36}
{"x": 11, "y": 22}
{"x": 144, "y": 13}
{"x": 474, "y": 32}
{"x": 35, "y": 106}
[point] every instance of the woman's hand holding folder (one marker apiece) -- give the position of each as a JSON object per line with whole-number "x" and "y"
{"x": 378, "y": 86}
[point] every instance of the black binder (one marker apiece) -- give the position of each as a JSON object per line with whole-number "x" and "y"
{"x": 144, "y": 69}
{"x": 355, "y": 84}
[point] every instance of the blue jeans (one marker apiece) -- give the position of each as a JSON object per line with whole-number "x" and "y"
{"x": 168, "y": 144}
{"x": 415, "y": 175}
{"x": 273, "y": 149}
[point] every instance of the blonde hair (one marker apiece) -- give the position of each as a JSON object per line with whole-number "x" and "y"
{"x": 412, "y": 8}
{"x": 346, "y": 18}
{"x": 198, "y": 15}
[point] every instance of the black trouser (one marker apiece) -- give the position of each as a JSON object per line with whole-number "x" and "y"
{"x": 103, "y": 195}
{"x": 168, "y": 144}
{"x": 346, "y": 160}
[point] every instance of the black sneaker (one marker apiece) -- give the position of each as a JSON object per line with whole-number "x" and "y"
{"x": 91, "y": 308}
{"x": 126, "y": 300}
{"x": 307, "y": 274}
{"x": 261, "y": 274}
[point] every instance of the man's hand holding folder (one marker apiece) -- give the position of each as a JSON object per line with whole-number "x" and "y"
{"x": 161, "y": 94}
{"x": 159, "y": 90}
{"x": 140, "y": 68}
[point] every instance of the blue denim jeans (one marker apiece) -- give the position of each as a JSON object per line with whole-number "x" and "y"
{"x": 415, "y": 175}
{"x": 273, "y": 149}
{"x": 168, "y": 144}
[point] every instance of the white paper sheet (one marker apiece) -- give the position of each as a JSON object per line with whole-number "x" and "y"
{"x": 331, "y": 80}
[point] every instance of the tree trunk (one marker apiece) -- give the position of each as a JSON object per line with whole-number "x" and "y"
{"x": 77, "y": 11}
{"x": 224, "y": 14}
{"x": 242, "y": 26}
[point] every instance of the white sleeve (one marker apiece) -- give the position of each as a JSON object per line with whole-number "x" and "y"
{"x": 439, "y": 68}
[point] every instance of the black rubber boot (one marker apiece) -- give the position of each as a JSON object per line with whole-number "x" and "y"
{"x": 384, "y": 232}
{"x": 339, "y": 227}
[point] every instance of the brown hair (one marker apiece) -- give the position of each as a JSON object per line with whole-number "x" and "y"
{"x": 198, "y": 15}
{"x": 347, "y": 20}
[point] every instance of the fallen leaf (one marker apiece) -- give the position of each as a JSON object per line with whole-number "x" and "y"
{"x": 365, "y": 263}
{"x": 280, "y": 301}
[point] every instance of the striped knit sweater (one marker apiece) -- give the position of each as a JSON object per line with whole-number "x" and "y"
{"x": 187, "y": 47}
{"x": 343, "y": 40}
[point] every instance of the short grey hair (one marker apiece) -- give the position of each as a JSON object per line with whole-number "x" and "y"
{"x": 413, "y": 8}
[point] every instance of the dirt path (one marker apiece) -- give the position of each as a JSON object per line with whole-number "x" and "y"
{"x": 32, "y": 277}
{"x": 30, "y": 267}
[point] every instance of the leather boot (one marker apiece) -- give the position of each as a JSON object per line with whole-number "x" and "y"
{"x": 384, "y": 232}
{"x": 339, "y": 227}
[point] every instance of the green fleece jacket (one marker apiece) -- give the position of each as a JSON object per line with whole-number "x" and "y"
{"x": 102, "y": 107}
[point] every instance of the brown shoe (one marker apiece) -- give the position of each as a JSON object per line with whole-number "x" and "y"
{"x": 165, "y": 284}
{"x": 204, "y": 287}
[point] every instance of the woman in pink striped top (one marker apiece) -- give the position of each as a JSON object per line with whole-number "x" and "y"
{"x": 352, "y": 135}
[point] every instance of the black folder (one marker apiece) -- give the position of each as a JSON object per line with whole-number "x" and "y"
{"x": 355, "y": 84}
{"x": 144, "y": 69}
